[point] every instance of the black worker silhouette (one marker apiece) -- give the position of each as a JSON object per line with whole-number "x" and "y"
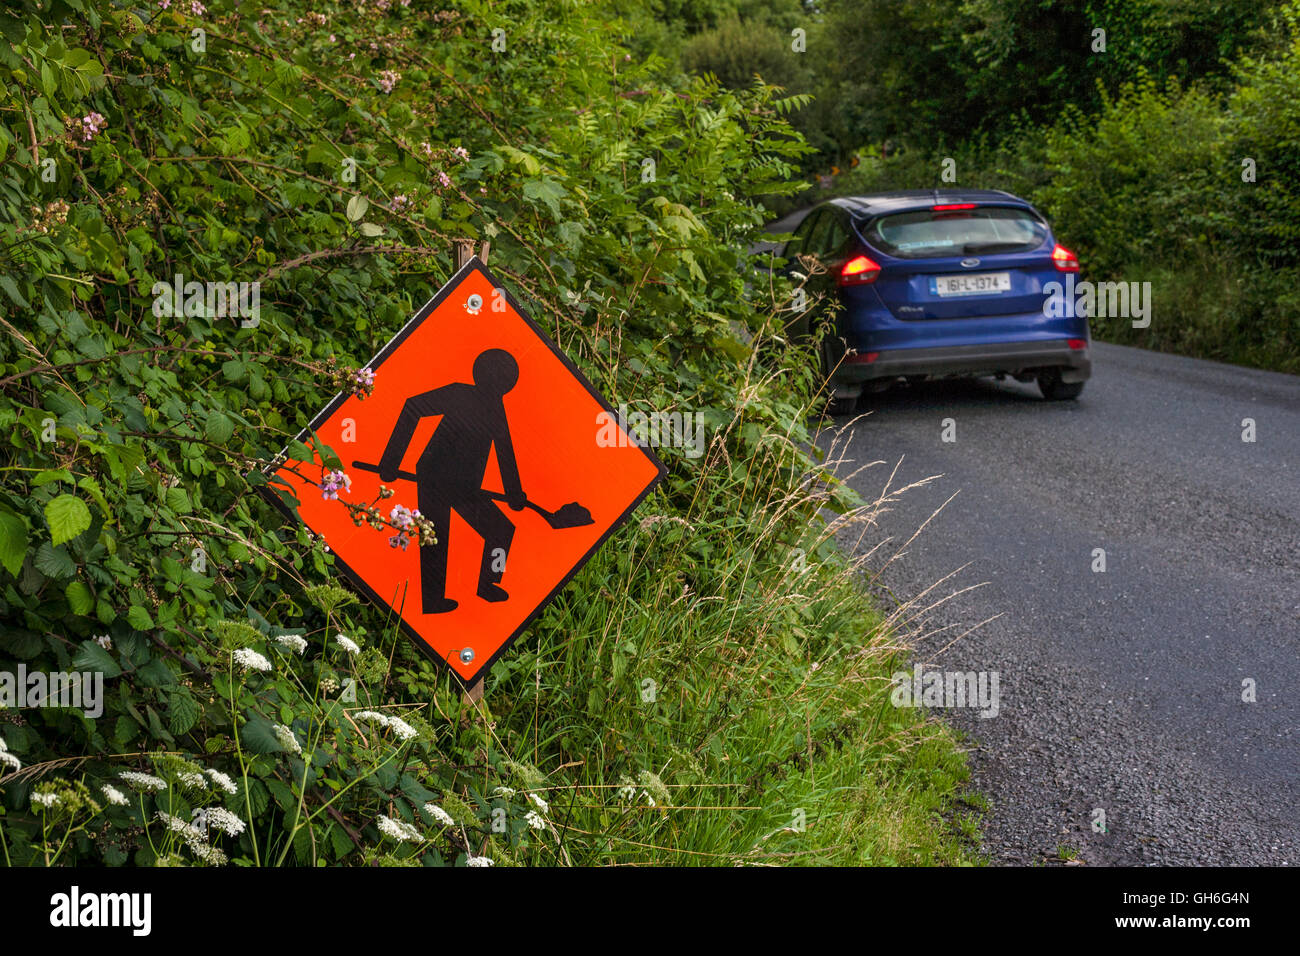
{"x": 449, "y": 474}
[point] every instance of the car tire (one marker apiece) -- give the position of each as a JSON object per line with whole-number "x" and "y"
{"x": 836, "y": 404}
{"x": 1054, "y": 390}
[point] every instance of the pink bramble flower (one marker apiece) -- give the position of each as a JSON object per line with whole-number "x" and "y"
{"x": 406, "y": 521}
{"x": 164, "y": 4}
{"x": 335, "y": 481}
{"x": 92, "y": 124}
{"x": 197, "y": 9}
{"x": 388, "y": 79}
{"x": 402, "y": 516}
{"x": 461, "y": 153}
{"x": 363, "y": 382}
{"x": 443, "y": 179}
{"x": 400, "y": 203}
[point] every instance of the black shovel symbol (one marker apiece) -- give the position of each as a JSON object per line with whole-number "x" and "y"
{"x": 572, "y": 515}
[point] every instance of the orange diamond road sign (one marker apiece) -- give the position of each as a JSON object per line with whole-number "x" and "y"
{"x": 482, "y": 425}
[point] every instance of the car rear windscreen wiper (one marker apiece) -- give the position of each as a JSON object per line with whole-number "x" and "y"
{"x": 974, "y": 247}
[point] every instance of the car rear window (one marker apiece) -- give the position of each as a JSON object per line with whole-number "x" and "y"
{"x": 936, "y": 233}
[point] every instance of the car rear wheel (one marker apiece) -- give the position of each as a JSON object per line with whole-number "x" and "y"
{"x": 1054, "y": 390}
{"x": 843, "y": 399}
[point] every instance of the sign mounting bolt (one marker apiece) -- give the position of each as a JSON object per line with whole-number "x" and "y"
{"x": 467, "y": 655}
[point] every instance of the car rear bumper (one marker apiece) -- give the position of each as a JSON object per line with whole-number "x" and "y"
{"x": 982, "y": 359}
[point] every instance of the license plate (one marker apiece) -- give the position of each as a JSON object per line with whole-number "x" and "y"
{"x": 984, "y": 283}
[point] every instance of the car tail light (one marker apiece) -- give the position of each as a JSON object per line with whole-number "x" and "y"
{"x": 862, "y": 358}
{"x": 953, "y": 205}
{"x": 858, "y": 271}
{"x": 1076, "y": 344}
{"x": 1064, "y": 259}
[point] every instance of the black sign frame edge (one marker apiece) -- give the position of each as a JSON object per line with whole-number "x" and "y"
{"x": 268, "y": 492}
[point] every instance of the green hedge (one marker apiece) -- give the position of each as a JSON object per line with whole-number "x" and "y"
{"x": 331, "y": 152}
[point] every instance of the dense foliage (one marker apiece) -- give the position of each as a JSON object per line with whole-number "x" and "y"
{"x": 1161, "y": 137}
{"x": 255, "y": 711}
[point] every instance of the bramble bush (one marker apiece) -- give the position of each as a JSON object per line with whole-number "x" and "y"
{"x": 256, "y": 712}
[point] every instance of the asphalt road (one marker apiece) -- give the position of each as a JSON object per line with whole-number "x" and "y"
{"x": 1120, "y": 690}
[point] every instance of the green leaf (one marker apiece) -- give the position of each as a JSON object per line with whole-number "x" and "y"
{"x": 370, "y": 229}
{"x": 357, "y": 207}
{"x": 178, "y": 499}
{"x": 11, "y": 289}
{"x": 49, "y": 475}
{"x": 92, "y": 657}
{"x": 91, "y": 487}
{"x": 183, "y": 712}
{"x": 79, "y": 597}
{"x": 67, "y": 516}
{"x": 219, "y": 428}
{"x": 258, "y": 736}
{"x": 54, "y": 562}
{"x": 139, "y": 618}
{"x": 13, "y": 541}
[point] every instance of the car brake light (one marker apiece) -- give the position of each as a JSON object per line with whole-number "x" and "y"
{"x": 862, "y": 357}
{"x": 954, "y": 205}
{"x": 1076, "y": 344}
{"x": 859, "y": 270}
{"x": 1064, "y": 259}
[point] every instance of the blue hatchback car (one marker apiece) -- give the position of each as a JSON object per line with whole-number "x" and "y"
{"x": 937, "y": 283}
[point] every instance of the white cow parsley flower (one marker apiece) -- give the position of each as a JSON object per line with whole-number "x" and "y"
{"x": 194, "y": 781}
{"x": 143, "y": 781}
{"x": 7, "y": 758}
{"x": 439, "y": 814}
{"x": 194, "y": 839}
{"x": 400, "y": 728}
{"x": 249, "y": 660}
{"x": 287, "y": 740}
{"x": 225, "y": 821}
{"x": 399, "y": 830}
{"x": 222, "y": 781}
{"x": 114, "y": 795}
{"x": 347, "y": 644}
{"x": 292, "y": 642}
